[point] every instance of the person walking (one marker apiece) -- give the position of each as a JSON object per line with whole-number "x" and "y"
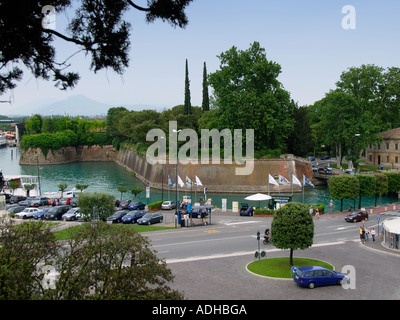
{"x": 367, "y": 234}
{"x": 317, "y": 213}
{"x": 373, "y": 234}
{"x": 362, "y": 234}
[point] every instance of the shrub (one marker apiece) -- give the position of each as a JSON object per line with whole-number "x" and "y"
{"x": 263, "y": 212}
{"x": 155, "y": 205}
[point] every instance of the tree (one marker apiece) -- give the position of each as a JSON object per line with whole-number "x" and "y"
{"x": 367, "y": 186}
{"x": 248, "y": 95}
{"x": 105, "y": 263}
{"x": 98, "y": 29}
{"x": 81, "y": 187}
{"x": 28, "y": 188}
{"x": 292, "y": 228}
{"x": 34, "y": 124}
{"x": 393, "y": 183}
{"x": 23, "y": 247}
{"x": 62, "y": 187}
{"x": 301, "y": 141}
{"x": 135, "y": 190}
{"x": 344, "y": 187}
{"x": 381, "y": 186}
{"x": 97, "y": 262}
{"x": 187, "y": 104}
{"x": 122, "y": 189}
{"x": 206, "y": 99}
{"x": 96, "y": 205}
{"x": 13, "y": 185}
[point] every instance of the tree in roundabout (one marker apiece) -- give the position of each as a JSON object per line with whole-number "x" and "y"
{"x": 292, "y": 228}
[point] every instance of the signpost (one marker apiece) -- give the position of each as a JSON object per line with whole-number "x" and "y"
{"x": 378, "y": 218}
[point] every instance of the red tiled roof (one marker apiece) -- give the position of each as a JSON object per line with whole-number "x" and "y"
{"x": 391, "y": 134}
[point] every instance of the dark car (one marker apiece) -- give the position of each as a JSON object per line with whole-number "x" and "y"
{"x": 39, "y": 201}
{"x": 150, "y": 218}
{"x": 136, "y": 205}
{"x": 312, "y": 277}
{"x": 16, "y": 199}
{"x": 16, "y": 209}
{"x": 116, "y": 217}
{"x": 198, "y": 213}
{"x": 133, "y": 216}
{"x": 325, "y": 170}
{"x": 357, "y": 216}
{"x": 246, "y": 210}
{"x": 55, "y": 213}
{"x": 7, "y": 195}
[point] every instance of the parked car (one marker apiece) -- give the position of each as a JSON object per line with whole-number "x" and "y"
{"x": 325, "y": 170}
{"x": 133, "y": 216}
{"x": 27, "y": 213}
{"x": 348, "y": 171}
{"x": 246, "y": 210}
{"x": 150, "y": 218}
{"x": 55, "y": 213}
{"x": 71, "y": 215}
{"x": 198, "y": 213}
{"x": 39, "y": 201}
{"x": 26, "y": 202}
{"x": 357, "y": 216}
{"x": 40, "y": 214}
{"x": 16, "y": 199}
{"x": 136, "y": 205}
{"x": 116, "y": 217}
{"x": 168, "y": 205}
{"x": 16, "y": 209}
{"x": 69, "y": 201}
{"x": 312, "y": 277}
{"x": 7, "y": 195}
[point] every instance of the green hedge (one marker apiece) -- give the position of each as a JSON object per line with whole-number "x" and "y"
{"x": 155, "y": 205}
{"x": 263, "y": 212}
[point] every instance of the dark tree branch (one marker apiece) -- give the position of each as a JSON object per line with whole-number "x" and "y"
{"x": 138, "y": 7}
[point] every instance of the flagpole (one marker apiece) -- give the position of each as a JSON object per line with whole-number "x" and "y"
{"x": 304, "y": 182}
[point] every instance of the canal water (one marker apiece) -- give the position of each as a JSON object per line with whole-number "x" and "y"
{"x": 107, "y": 176}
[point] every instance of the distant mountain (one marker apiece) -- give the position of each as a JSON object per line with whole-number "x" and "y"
{"x": 77, "y": 105}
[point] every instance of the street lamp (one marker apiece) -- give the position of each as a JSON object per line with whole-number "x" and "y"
{"x": 355, "y": 153}
{"x": 176, "y": 181}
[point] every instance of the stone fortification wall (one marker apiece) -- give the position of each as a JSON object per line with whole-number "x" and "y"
{"x": 68, "y": 155}
{"x": 218, "y": 178}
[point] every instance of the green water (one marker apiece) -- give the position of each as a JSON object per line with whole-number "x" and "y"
{"x": 107, "y": 176}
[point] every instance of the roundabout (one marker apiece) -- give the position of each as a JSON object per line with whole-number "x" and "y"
{"x": 279, "y": 268}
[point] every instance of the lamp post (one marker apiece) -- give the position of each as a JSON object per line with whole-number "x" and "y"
{"x": 355, "y": 153}
{"x": 176, "y": 181}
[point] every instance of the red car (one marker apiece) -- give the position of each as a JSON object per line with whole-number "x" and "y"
{"x": 357, "y": 216}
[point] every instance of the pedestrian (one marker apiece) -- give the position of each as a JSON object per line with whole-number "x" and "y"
{"x": 373, "y": 234}
{"x": 366, "y": 234}
{"x": 362, "y": 234}
{"x": 311, "y": 210}
{"x": 317, "y": 213}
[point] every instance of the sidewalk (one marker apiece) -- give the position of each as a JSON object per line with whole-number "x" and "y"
{"x": 378, "y": 246}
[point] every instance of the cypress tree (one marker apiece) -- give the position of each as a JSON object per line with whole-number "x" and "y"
{"x": 206, "y": 99}
{"x": 188, "y": 106}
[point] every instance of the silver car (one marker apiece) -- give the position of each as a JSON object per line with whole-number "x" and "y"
{"x": 71, "y": 215}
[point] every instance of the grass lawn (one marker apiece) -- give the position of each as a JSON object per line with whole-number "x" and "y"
{"x": 280, "y": 267}
{"x": 66, "y": 233}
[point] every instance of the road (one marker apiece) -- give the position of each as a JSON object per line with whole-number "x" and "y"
{"x": 210, "y": 262}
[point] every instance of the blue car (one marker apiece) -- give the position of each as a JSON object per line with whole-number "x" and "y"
{"x": 40, "y": 214}
{"x": 133, "y": 216}
{"x": 312, "y": 277}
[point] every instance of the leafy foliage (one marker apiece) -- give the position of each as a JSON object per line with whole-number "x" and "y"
{"x": 344, "y": 187}
{"x": 292, "y": 228}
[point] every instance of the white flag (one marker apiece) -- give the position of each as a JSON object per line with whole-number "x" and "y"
{"x": 296, "y": 181}
{"x": 284, "y": 181}
{"x": 188, "y": 181}
{"x": 198, "y": 182}
{"x": 273, "y": 181}
{"x": 180, "y": 182}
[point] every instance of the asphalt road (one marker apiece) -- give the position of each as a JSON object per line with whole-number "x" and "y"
{"x": 209, "y": 262}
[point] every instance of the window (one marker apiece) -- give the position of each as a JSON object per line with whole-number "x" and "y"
{"x": 397, "y": 159}
{"x": 387, "y": 159}
{"x": 387, "y": 146}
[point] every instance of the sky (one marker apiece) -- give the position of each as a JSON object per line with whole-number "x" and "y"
{"x": 306, "y": 37}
